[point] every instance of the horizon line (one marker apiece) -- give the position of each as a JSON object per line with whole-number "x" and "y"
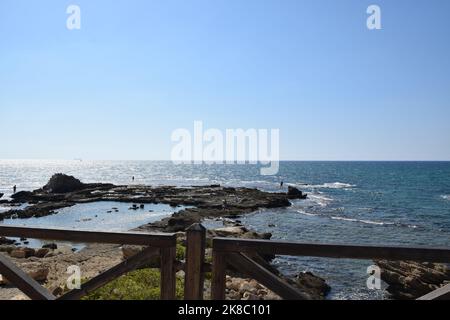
{"x": 220, "y": 163}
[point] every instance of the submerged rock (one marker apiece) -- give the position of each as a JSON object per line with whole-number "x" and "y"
{"x": 61, "y": 183}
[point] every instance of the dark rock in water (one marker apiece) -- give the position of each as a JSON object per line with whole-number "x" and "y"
{"x": 294, "y": 193}
{"x": 142, "y": 206}
{"x": 61, "y": 183}
{"x": 409, "y": 280}
{"x": 52, "y": 246}
{"x": 22, "y": 196}
{"x": 7, "y": 241}
{"x": 315, "y": 286}
{"x": 1, "y": 195}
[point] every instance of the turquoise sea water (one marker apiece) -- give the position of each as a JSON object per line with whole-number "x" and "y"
{"x": 396, "y": 203}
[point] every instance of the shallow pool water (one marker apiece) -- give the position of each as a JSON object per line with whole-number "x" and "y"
{"x": 105, "y": 216}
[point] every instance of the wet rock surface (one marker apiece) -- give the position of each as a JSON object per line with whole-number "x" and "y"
{"x": 294, "y": 193}
{"x": 410, "y": 280}
{"x": 203, "y": 201}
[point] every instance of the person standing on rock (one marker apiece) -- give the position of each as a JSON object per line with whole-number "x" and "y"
{"x": 281, "y": 184}
{"x": 132, "y": 178}
{"x": 14, "y": 189}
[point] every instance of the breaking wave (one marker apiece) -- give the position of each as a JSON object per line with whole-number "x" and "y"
{"x": 379, "y": 223}
{"x": 333, "y": 185}
{"x": 446, "y": 196}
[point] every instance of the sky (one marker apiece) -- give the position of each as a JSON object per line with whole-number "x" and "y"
{"x": 139, "y": 69}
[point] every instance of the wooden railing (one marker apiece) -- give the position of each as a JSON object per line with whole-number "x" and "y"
{"x": 239, "y": 253}
{"x": 163, "y": 245}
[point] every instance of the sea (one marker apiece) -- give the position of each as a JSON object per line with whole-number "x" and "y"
{"x": 376, "y": 203}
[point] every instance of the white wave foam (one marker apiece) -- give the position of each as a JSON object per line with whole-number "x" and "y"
{"x": 307, "y": 213}
{"x": 446, "y": 196}
{"x": 333, "y": 185}
{"x": 363, "y": 221}
{"x": 320, "y": 200}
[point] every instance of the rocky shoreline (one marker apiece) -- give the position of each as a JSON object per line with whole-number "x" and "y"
{"x": 406, "y": 280}
{"x": 48, "y": 265}
{"x": 409, "y": 280}
{"x": 202, "y": 201}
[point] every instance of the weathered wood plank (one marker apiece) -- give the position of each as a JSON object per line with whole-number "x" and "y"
{"x": 332, "y": 251}
{"x": 438, "y": 294}
{"x": 247, "y": 266}
{"x": 23, "y": 281}
{"x": 195, "y": 256}
{"x": 122, "y": 268}
{"x": 131, "y": 238}
{"x": 168, "y": 274}
{"x": 218, "y": 284}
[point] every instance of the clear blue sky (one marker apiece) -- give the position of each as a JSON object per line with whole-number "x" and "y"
{"x": 137, "y": 70}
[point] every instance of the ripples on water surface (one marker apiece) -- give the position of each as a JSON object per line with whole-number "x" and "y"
{"x": 401, "y": 203}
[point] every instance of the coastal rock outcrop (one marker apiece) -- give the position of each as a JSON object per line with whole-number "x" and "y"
{"x": 201, "y": 201}
{"x": 410, "y": 280}
{"x": 294, "y": 193}
{"x": 22, "y": 196}
{"x": 6, "y": 241}
{"x": 238, "y": 232}
{"x": 315, "y": 286}
{"x": 22, "y": 253}
{"x": 61, "y": 183}
{"x": 248, "y": 289}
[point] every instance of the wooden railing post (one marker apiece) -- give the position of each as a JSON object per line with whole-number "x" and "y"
{"x": 168, "y": 272}
{"x": 195, "y": 257}
{"x": 218, "y": 282}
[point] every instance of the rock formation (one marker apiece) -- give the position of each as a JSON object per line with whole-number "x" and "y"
{"x": 410, "y": 280}
{"x": 61, "y": 183}
{"x": 294, "y": 193}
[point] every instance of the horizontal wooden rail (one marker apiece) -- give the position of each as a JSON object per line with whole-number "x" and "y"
{"x": 332, "y": 251}
{"x": 130, "y": 238}
{"x": 163, "y": 245}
